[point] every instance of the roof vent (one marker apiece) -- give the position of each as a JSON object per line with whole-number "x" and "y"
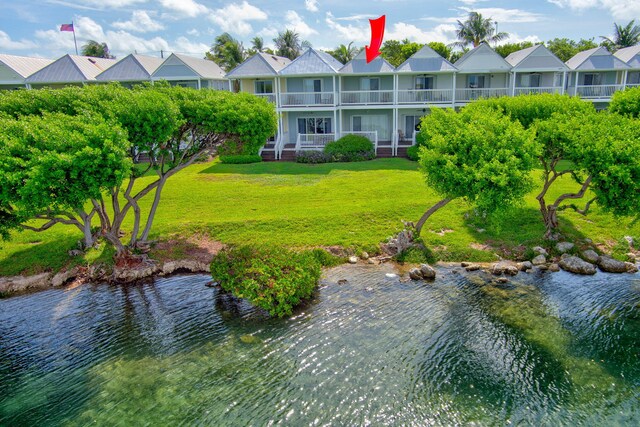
{"x": 93, "y": 61}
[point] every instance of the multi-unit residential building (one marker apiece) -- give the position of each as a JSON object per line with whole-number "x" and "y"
{"x": 318, "y": 99}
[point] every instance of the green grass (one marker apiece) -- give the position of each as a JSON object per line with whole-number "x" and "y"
{"x": 352, "y": 205}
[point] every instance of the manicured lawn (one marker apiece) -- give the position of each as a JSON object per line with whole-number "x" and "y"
{"x": 353, "y": 205}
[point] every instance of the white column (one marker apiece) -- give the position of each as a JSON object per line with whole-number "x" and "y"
{"x": 513, "y": 84}
{"x": 564, "y": 82}
{"x": 575, "y": 91}
{"x": 394, "y": 139}
{"x": 199, "y": 84}
{"x": 624, "y": 79}
{"x": 453, "y": 95}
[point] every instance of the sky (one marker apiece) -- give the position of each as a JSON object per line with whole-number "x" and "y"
{"x": 31, "y": 28}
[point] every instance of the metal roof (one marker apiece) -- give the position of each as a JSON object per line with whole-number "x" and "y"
{"x": 482, "y": 59}
{"x": 260, "y": 64}
{"x": 24, "y": 65}
{"x": 425, "y": 60}
{"x": 205, "y": 68}
{"x": 629, "y": 55}
{"x": 71, "y": 68}
{"x": 132, "y": 67}
{"x": 312, "y": 62}
{"x": 358, "y": 65}
{"x": 536, "y": 57}
{"x": 595, "y": 59}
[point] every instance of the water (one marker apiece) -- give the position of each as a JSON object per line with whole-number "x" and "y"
{"x": 550, "y": 350}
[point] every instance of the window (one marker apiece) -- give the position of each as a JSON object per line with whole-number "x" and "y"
{"x": 369, "y": 83}
{"x": 530, "y": 80}
{"x": 425, "y": 82}
{"x": 312, "y": 85}
{"x": 476, "y": 82}
{"x": 314, "y": 125}
{"x": 592, "y": 79}
{"x": 634, "y": 78}
{"x": 264, "y": 86}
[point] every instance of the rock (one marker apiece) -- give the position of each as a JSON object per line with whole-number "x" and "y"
{"x": 191, "y": 266}
{"x": 343, "y": 282}
{"x": 371, "y": 261}
{"x": 63, "y": 277}
{"x": 427, "y": 271}
{"x": 610, "y": 265}
{"x": 398, "y": 243}
{"x": 391, "y": 276}
{"x": 554, "y": 268}
{"x": 504, "y": 267}
{"x": 143, "y": 271}
{"x": 540, "y": 250}
{"x": 539, "y": 260}
{"x": 353, "y": 260}
{"x": 472, "y": 267}
{"x": 564, "y": 247}
{"x": 364, "y": 256}
{"x": 75, "y": 252}
{"x": 590, "y": 256}
{"x": 588, "y": 241}
{"x": 465, "y": 264}
{"x": 576, "y": 265}
{"x": 629, "y": 240}
{"x": 632, "y": 257}
{"x": 415, "y": 274}
{"x": 543, "y": 267}
{"x": 502, "y": 280}
{"x": 22, "y": 283}
{"x": 631, "y": 267}
{"x": 524, "y": 266}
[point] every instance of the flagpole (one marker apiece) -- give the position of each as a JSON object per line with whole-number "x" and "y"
{"x": 73, "y": 27}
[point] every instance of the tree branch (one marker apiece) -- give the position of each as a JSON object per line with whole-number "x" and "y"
{"x": 580, "y": 194}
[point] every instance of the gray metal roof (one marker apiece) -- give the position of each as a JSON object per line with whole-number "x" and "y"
{"x": 260, "y": 64}
{"x": 426, "y": 60}
{"x": 630, "y": 56}
{"x": 595, "y": 59}
{"x": 537, "y": 58}
{"x": 131, "y": 68}
{"x": 482, "y": 59}
{"x": 358, "y": 65}
{"x": 312, "y": 62}
{"x": 71, "y": 68}
{"x": 23, "y": 65}
{"x": 200, "y": 68}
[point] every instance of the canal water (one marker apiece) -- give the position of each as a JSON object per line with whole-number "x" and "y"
{"x": 544, "y": 349}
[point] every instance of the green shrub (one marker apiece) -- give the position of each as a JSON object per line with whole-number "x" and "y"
{"x": 326, "y": 259}
{"x": 241, "y": 159}
{"x": 350, "y": 148}
{"x": 626, "y": 103}
{"x": 272, "y": 278}
{"x": 312, "y": 157}
{"x": 413, "y": 153}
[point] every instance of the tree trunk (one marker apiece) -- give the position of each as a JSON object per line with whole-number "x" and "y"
{"x": 550, "y": 219}
{"x": 152, "y": 212}
{"x": 88, "y": 236}
{"x": 428, "y": 213}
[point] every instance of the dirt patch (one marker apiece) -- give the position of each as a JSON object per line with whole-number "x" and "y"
{"x": 197, "y": 247}
{"x": 480, "y": 247}
{"x": 442, "y": 231}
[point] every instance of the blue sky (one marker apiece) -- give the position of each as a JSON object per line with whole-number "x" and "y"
{"x": 189, "y": 26}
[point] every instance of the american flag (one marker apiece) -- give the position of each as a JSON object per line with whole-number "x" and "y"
{"x": 66, "y": 27}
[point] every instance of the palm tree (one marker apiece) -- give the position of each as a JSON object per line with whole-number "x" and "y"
{"x": 288, "y": 44}
{"x": 477, "y": 29}
{"x": 626, "y": 36}
{"x": 96, "y": 50}
{"x": 257, "y": 44}
{"x": 344, "y": 53}
{"x": 227, "y": 52}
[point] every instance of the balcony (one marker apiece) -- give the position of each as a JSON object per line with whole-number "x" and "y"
{"x": 537, "y": 90}
{"x": 425, "y": 96}
{"x": 597, "y": 91}
{"x": 271, "y": 97}
{"x": 307, "y": 99}
{"x": 463, "y": 95}
{"x": 367, "y": 97}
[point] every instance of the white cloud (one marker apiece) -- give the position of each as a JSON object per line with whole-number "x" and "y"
{"x": 183, "y": 8}
{"x": 184, "y": 45}
{"x": 350, "y": 32}
{"x": 7, "y": 44}
{"x": 140, "y": 22}
{"x": 444, "y": 33}
{"x": 296, "y": 23}
{"x": 619, "y": 9}
{"x": 97, "y": 4}
{"x": 311, "y": 5}
{"x": 193, "y": 32}
{"x": 515, "y": 38}
{"x": 235, "y": 18}
{"x": 511, "y": 16}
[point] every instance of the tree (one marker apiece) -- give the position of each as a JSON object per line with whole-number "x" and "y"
{"x": 227, "y": 52}
{"x": 257, "y": 44}
{"x": 626, "y": 102}
{"x": 475, "y": 154}
{"x": 396, "y": 52}
{"x": 476, "y": 29}
{"x": 626, "y": 36}
{"x": 96, "y": 50}
{"x": 288, "y": 44}
{"x": 507, "y": 49}
{"x": 565, "y": 49}
{"x": 441, "y": 48}
{"x": 344, "y": 53}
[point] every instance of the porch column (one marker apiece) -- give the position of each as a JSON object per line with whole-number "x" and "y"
{"x": 453, "y": 94}
{"x": 335, "y": 123}
{"x": 335, "y": 92}
{"x": 513, "y": 84}
{"x": 624, "y": 79}
{"x": 395, "y": 89}
{"x": 199, "y": 84}
{"x": 564, "y": 82}
{"x": 575, "y": 92}
{"x": 394, "y": 138}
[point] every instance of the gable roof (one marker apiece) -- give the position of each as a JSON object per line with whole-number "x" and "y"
{"x": 425, "y": 60}
{"x": 195, "y": 67}
{"x": 132, "y": 67}
{"x": 358, "y": 65}
{"x": 482, "y": 58}
{"x": 536, "y": 58}
{"x": 23, "y": 66}
{"x": 312, "y": 62}
{"x": 629, "y": 55}
{"x": 259, "y": 65}
{"x": 598, "y": 58}
{"x": 71, "y": 68}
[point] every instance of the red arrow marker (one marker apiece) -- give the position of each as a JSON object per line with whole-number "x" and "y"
{"x": 377, "y": 34}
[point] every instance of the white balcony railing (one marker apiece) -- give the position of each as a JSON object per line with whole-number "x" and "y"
{"x": 370, "y": 135}
{"x": 536, "y": 90}
{"x": 367, "y": 97}
{"x": 313, "y": 141}
{"x": 597, "y": 91}
{"x": 471, "y": 94}
{"x": 304, "y": 99}
{"x": 271, "y": 97}
{"x": 633, "y": 84}
{"x": 420, "y": 96}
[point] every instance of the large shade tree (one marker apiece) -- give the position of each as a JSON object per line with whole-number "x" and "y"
{"x": 477, "y": 29}
{"x": 565, "y": 48}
